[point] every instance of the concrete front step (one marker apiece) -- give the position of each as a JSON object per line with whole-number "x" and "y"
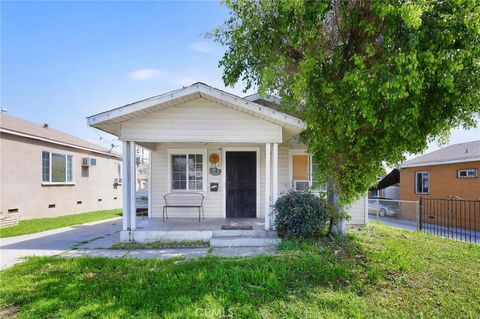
{"x": 243, "y": 241}
{"x": 249, "y": 233}
{"x": 243, "y": 251}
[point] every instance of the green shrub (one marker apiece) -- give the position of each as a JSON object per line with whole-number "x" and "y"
{"x": 300, "y": 215}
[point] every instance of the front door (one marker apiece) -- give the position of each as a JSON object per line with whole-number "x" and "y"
{"x": 241, "y": 184}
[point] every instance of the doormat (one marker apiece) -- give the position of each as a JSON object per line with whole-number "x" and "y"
{"x": 237, "y": 227}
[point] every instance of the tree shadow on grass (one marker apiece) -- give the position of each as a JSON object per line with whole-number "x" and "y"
{"x": 205, "y": 287}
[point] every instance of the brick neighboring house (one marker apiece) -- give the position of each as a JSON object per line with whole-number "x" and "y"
{"x": 47, "y": 173}
{"x": 451, "y": 172}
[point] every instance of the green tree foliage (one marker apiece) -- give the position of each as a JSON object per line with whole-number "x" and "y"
{"x": 373, "y": 80}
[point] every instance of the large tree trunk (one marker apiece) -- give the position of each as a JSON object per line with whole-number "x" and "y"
{"x": 337, "y": 226}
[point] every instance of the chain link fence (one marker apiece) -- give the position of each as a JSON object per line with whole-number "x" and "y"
{"x": 397, "y": 213}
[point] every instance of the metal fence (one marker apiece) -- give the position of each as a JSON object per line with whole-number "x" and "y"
{"x": 452, "y": 218}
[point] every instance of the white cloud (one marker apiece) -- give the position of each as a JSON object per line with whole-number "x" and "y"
{"x": 145, "y": 74}
{"x": 203, "y": 47}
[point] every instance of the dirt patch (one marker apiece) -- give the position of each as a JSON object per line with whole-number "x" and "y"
{"x": 9, "y": 312}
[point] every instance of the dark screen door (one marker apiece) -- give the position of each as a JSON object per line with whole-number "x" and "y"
{"x": 241, "y": 184}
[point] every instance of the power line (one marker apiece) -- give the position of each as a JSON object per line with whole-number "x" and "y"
{"x": 110, "y": 143}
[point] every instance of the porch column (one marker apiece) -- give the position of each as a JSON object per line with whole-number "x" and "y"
{"x": 133, "y": 186}
{"x": 150, "y": 153}
{"x": 267, "y": 186}
{"x": 126, "y": 185}
{"x": 274, "y": 178}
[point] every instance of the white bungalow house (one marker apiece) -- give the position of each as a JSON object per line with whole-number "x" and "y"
{"x": 238, "y": 152}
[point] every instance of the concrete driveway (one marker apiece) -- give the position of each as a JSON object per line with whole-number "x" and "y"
{"x": 99, "y": 234}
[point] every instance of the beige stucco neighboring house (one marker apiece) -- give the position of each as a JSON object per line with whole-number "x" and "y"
{"x": 240, "y": 153}
{"x": 46, "y": 173}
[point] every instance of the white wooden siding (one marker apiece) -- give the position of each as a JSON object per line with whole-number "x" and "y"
{"x": 213, "y": 204}
{"x": 284, "y": 182}
{"x": 200, "y": 120}
{"x": 214, "y": 201}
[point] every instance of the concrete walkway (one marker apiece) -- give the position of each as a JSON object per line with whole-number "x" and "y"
{"x": 98, "y": 234}
{"x": 94, "y": 240}
{"x": 171, "y": 252}
{"x": 139, "y": 253}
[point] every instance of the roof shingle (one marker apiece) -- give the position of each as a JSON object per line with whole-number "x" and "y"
{"x": 13, "y": 124}
{"x": 457, "y": 153}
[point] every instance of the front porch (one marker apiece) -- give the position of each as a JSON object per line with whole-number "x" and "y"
{"x": 189, "y": 229}
{"x": 262, "y": 191}
{"x": 232, "y": 150}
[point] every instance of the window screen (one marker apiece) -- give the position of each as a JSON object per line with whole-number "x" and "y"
{"x": 422, "y": 182}
{"x": 57, "y": 168}
{"x": 187, "y": 172}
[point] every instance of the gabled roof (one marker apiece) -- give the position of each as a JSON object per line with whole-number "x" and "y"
{"x": 457, "y": 153}
{"x": 20, "y": 127}
{"x": 109, "y": 120}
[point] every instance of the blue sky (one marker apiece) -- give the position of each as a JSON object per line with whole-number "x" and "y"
{"x": 63, "y": 61}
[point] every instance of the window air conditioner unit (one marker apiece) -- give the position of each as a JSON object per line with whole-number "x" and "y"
{"x": 88, "y": 161}
{"x": 301, "y": 185}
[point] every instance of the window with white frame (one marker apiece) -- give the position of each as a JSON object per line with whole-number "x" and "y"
{"x": 301, "y": 172}
{"x": 303, "y": 169}
{"x": 186, "y": 171}
{"x": 57, "y": 168}
{"x": 118, "y": 179}
{"x": 467, "y": 173}
{"x": 422, "y": 182}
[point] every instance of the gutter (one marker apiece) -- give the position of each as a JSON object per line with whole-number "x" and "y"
{"x": 39, "y": 138}
{"x": 432, "y": 163}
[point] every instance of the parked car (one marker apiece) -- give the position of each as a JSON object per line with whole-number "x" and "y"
{"x": 383, "y": 207}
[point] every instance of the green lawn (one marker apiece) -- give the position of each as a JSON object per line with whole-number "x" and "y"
{"x": 376, "y": 273}
{"x": 40, "y": 224}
